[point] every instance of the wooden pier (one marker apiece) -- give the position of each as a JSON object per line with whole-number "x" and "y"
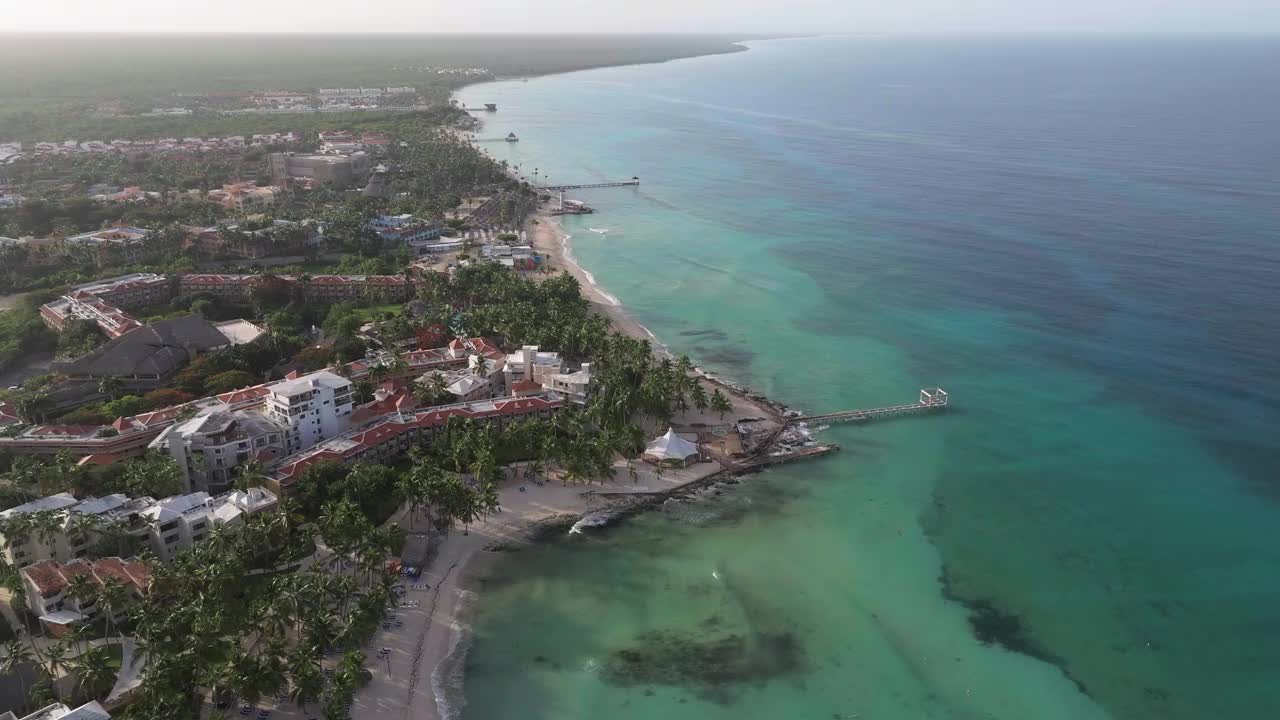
{"x": 562, "y": 188}
{"x": 931, "y": 399}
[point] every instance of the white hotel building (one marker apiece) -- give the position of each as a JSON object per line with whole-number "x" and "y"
{"x": 313, "y": 408}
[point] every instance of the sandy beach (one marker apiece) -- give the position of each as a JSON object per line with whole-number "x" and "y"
{"x": 422, "y": 675}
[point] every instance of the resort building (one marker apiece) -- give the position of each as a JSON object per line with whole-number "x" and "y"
{"x": 89, "y": 711}
{"x": 312, "y": 408}
{"x": 317, "y": 288}
{"x": 129, "y": 194}
{"x": 117, "y": 244}
{"x": 391, "y": 437}
{"x": 518, "y": 257}
{"x": 209, "y": 447}
{"x": 236, "y": 241}
{"x": 181, "y": 521}
{"x": 49, "y": 589}
{"x": 76, "y": 526}
{"x": 528, "y": 363}
{"x": 129, "y": 436}
{"x": 245, "y": 196}
{"x": 144, "y": 357}
{"x": 575, "y": 386}
{"x": 405, "y": 230}
{"x": 104, "y": 302}
{"x": 469, "y": 384}
{"x": 165, "y": 526}
{"x": 329, "y": 170}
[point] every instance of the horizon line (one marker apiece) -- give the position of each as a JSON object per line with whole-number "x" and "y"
{"x": 650, "y": 33}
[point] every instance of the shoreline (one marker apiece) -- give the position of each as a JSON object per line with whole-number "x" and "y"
{"x": 532, "y": 514}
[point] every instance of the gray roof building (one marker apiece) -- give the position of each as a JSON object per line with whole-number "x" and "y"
{"x": 152, "y": 352}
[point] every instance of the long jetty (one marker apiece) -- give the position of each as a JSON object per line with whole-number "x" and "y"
{"x": 562, "y": 188}
{"x": 931, "y": 399}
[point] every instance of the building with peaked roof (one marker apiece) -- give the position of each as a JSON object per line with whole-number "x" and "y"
{"x": 48, "y": 583}
{"x": 146, "y": 356}
{"x": 104, "y": 302}
{"x": 671, "y": 449}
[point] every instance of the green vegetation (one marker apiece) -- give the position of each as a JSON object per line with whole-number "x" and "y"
{"x": 51, "y": 88}
{"x": 22, "y": 333}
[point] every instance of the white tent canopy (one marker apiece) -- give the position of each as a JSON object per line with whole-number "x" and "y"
{"x": 671, "y": 448}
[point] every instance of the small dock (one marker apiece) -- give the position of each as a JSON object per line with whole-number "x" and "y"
{"x": 931, "y": 400}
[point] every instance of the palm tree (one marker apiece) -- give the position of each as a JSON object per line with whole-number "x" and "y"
{"x": 33, "y": 407}
{"x": 16, "y": 656}
{"x": 306, "y": 681}
{"x": 111, "y": 385}
{"x": 720, "y": 404}
{"x": 81, "y": 527}
{"x": 699, "y": 396}
{"x": 47, "y": 525}
{"x": 93, "y": 670}
{"x": 55, "y": 656}
{"x": 112, "y": 597}
{"x": 252, "y": 474}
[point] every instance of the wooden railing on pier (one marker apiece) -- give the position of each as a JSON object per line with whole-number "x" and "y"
{"x": 931, "y": 399}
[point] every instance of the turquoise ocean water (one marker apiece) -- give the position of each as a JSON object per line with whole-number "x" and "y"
{"x": 1076, "y": 238}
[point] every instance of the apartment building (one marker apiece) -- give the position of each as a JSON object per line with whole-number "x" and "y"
{"x": 576, "y": 385}
{"x": 528, "y": 363}
{"x": 77, "y": 526}
{"x": 181, "y": 521}
{"x": 209, "y": 447}
{"x": 166, "y": 526}
{"x": 312, "y": 407}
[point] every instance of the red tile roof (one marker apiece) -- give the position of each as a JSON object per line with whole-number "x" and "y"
{"x": 236, "y": 397}
{"x": 50, "y": 578}
{"x": 45, "y": 576}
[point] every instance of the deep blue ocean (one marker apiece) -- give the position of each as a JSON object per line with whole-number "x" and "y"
{"x": 1079, "y": 238}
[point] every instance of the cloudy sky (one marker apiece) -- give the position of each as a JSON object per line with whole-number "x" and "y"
{"x": 731, "y": 16}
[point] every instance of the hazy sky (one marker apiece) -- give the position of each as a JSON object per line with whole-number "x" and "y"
{"x": 753, "y": 16}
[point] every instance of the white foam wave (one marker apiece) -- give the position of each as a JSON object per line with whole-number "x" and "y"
{"x": 591, "y": 279}
{"x": 447, "y": 680}
{"x": 593, "y": 520}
